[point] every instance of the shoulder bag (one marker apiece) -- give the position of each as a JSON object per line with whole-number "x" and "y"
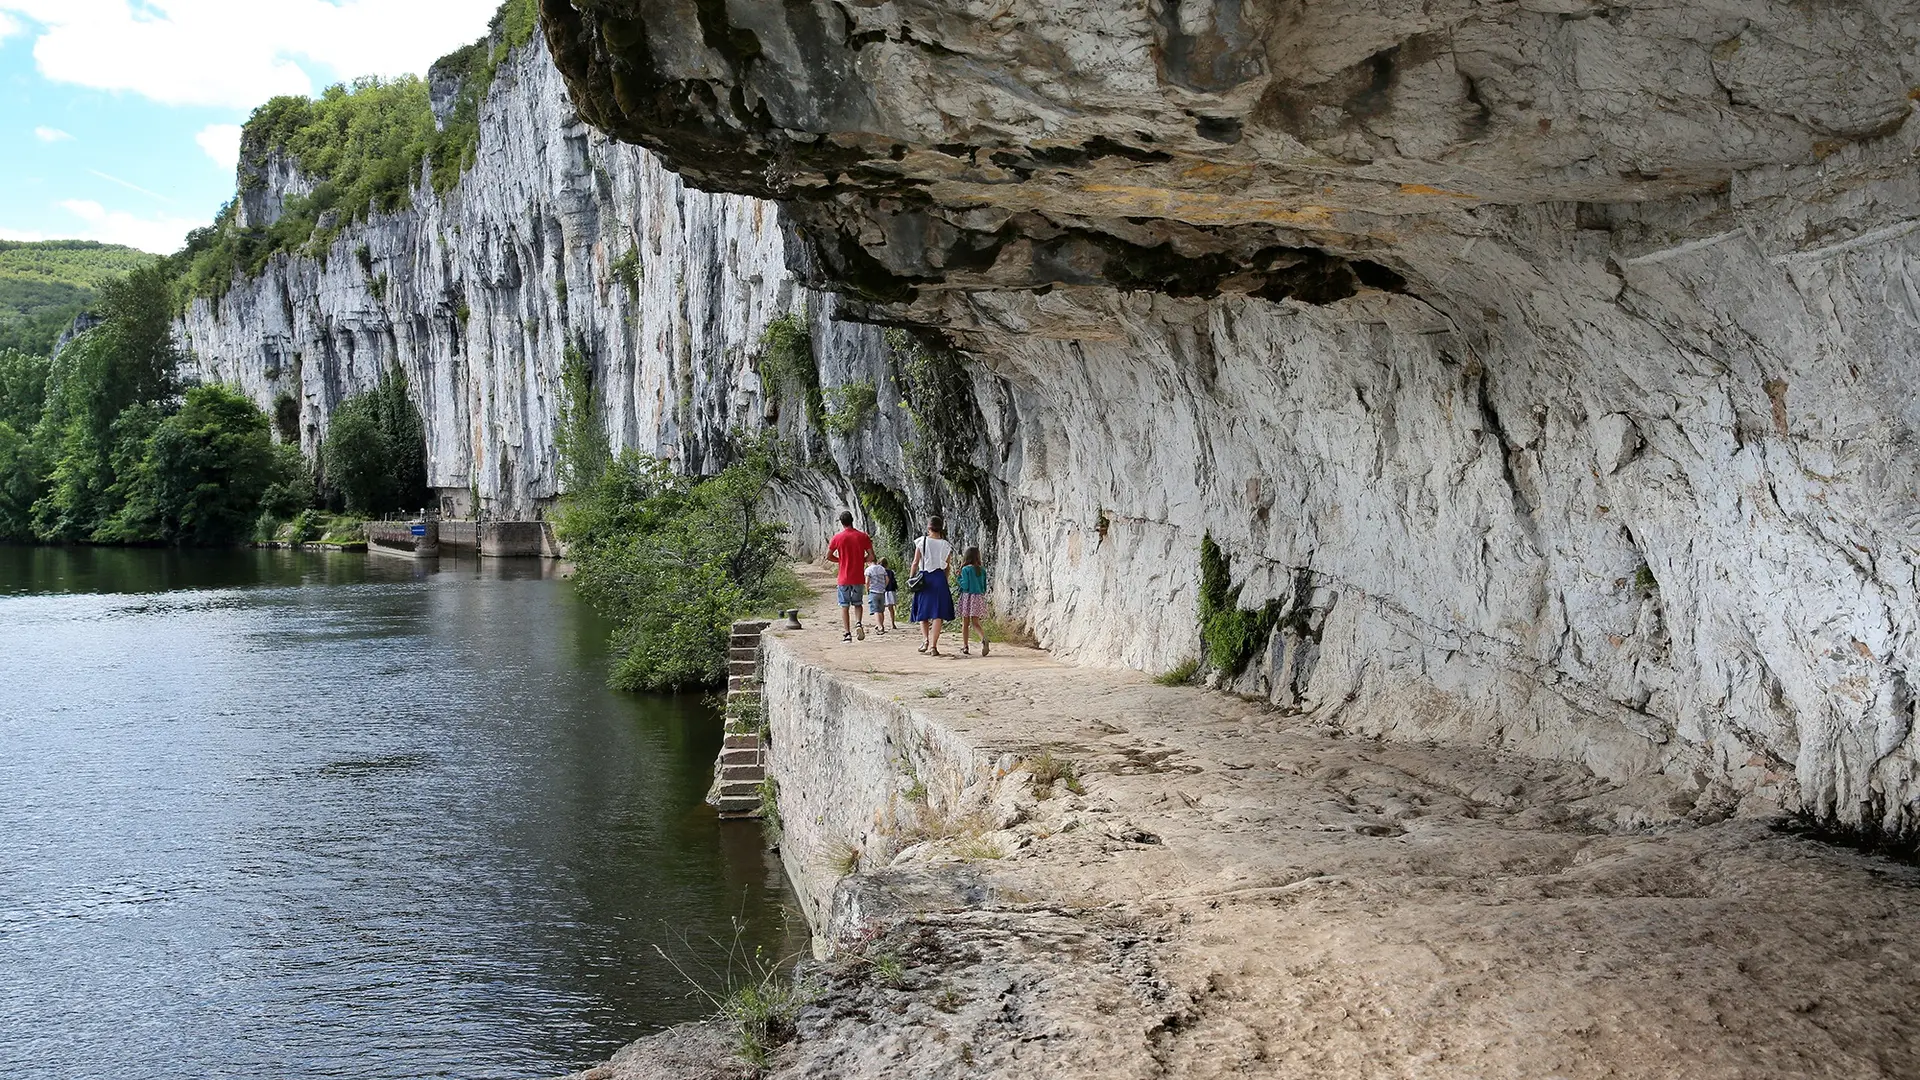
{"x": 918, "y": 579}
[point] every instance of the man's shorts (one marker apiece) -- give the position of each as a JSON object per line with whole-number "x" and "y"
{"x": 850, "y": 595}
{"x": 876, "y": 602}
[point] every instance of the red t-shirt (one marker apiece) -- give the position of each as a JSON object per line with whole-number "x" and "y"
{"x": 852, "y": 546}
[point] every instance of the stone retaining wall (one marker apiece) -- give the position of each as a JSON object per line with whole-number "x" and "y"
{"x": 845, "y": 758}
{"x": 398, "y": 538}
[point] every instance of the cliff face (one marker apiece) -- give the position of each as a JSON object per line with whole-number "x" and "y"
{"x": 1545, "y": 364}
{"x": 1544, "y": 361}
{"x": 556, "y": 238}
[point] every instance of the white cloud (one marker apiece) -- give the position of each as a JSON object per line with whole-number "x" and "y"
{"x": 9, "y": 26}
{"x": 238, "y": 53}
{"x": 222, "y": 144}
{"x": 51, "y": 134}
{"x": 162, "y": 235}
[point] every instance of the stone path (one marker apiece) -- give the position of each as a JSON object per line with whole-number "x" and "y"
{"x": 1242, "y": 893}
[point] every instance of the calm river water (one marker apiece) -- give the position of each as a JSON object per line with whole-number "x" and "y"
{"x": 267, "y": 814}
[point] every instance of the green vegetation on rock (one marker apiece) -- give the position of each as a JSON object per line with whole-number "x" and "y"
{"x": 626, "y": 271}
{"x": 937, "y": 395}
{"x": 850, "y": 406}
{"x": 1230, "y": 635}
{"x": 365, "y": 145}
{"x": 787, "y": 363}
{"x": 581, "y": 439}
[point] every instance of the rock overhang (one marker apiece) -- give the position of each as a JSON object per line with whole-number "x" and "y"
{"x": 1186, "y": 147}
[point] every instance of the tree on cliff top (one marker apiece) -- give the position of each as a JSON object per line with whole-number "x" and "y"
{"x": 364, "y": 145}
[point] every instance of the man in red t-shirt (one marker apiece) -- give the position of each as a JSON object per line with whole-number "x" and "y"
{"x": 850, "y": 547}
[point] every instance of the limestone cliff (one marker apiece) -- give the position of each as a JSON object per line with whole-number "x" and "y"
{"x": 1546, "y": 364}
{"x": 1546, "y": 361}
{"x": 556, "y": 238}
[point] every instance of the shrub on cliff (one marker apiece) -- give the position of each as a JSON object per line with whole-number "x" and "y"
{"x": 375, "y": 453}
{"x": 673, "y": 561}
{"x": 1231, "y": 634}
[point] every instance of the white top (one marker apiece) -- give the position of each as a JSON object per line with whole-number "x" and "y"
{"x": 934, "y": 552}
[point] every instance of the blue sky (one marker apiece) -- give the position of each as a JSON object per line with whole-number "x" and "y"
{"x": 119, "y": 120}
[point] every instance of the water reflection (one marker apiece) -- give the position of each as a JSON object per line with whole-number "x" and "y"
{"x": 273, "y": 813}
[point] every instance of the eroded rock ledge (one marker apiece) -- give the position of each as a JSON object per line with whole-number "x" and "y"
{"x": 1550, "y": 358}
{"x": 1223, "y": 890}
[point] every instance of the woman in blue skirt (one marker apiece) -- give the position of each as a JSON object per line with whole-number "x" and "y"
{"x": 933, "y": 603}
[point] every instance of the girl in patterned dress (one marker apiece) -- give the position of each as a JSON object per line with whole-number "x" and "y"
{"x": 971, "y": 604}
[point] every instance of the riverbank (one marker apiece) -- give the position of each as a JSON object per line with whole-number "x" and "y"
{"x": 1208, "y": 887}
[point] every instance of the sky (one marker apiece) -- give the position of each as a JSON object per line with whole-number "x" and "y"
{"x": 120, "y": 119}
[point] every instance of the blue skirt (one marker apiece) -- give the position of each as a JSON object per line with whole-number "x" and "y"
{"x": 934, "y": 600}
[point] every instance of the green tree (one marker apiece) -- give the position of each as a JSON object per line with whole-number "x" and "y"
{"x": 292, "y": 489}
{"x": 129, "y": 359}
{"x": 201, "y": 476}
{"x": 581, "y": 439}
{"x": 375, "y": 454}
{"x": 22, "y": 470}
{"x": 673, "y": 561}
{"x": 23, "y": 387}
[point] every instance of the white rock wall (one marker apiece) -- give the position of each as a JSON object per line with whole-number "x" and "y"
{"x": 472, "y": 311}
{"x": 1632, "y": 484}
{"x": 1656, "y": 517}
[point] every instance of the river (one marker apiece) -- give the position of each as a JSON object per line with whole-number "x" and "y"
{"x": 278, "y": 814}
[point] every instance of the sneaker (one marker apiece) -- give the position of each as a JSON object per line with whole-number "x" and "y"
{"x": 860, "y": 631}
{"x": 846, "y": 637}
{"x": 983, "y": 646}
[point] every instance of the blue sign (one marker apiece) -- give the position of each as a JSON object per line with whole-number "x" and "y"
{"x": 419, "y": 530}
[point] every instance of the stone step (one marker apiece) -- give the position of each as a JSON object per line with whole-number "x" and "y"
{"x": 738, "y": 793}
{"x": 744, "y": 756}
{"x": 742, "y": 667}
{"x": 744, "y": 652}
{"x": 744, "y": 740}
{"x": 737, "y": 807}
{"x": 750, "y": 694}
{"x": 741, "y": 774}
{"x": 739, "y": 683}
